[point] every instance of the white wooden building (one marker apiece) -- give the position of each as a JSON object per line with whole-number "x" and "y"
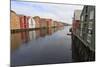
{"x": 31, "y": 22}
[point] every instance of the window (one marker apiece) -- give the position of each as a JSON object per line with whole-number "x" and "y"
{"x": 82, "y": 18}
{"x": 86, "y": 17}
{"x": 81, "y": 29}
{"x": 92, "y": 14}
{"x": 90, "y": 25}
{"x": 89, "y": 38}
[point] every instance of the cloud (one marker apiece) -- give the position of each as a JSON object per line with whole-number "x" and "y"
{"x": 60, "y": 12}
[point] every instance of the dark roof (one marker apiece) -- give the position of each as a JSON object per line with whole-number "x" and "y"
{"x": 13, "y": 11}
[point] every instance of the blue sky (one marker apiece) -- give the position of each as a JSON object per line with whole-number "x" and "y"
{"x": 58, "y": 12}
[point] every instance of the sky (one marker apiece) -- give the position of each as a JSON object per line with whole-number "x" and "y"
{"x": 58, "y": 12}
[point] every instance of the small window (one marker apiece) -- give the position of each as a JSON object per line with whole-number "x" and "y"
{"x": 91, "y": 14}
{"x": 90, "y": 25}
{"x": 82, "y": 18}
{"x": 89, "y": 38}
{"x": 86, "y": 17}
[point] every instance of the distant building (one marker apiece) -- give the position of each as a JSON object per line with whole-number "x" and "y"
{"x": 43, "y": 23}
{"x": 31, "y": 22}
{"x": 46, "y": 23}
{"x": 23, "y": 22}
{"x": 37, "y": 21}
{"x": 49, "y": 23}
{"x": 55, "y": 23}
{"x": 14, "y": 23}
{"x": 76, "y": 21}
{"x": 60, "y": 24}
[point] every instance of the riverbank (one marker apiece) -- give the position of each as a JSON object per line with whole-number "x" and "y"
{"x": 29, "y": 29}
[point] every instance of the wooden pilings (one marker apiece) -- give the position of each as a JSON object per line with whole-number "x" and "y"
{"x": 80, "y": 52}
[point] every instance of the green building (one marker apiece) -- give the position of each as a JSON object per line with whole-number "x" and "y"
{"x": 87, "y": 26}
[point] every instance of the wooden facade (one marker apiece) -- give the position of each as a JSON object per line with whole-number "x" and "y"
{"x": 14, "y": 23}
{"x": 37, "y": 21}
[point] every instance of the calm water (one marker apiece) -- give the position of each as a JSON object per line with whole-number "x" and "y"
{"x": 43, "y": 46}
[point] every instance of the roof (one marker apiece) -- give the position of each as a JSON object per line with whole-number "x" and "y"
{"x": 13, "y": 11}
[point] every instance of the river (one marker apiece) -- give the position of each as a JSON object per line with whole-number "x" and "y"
{"x": 42, "y": 46}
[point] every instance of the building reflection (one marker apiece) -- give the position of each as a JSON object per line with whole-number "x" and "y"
{"x": 17, "y": 39}
{"x": 50, "y": 31}
{"x": 37, "y": 33}
{"x": 43, "y": 32}
{"x": 32, "y": 35}
{"x": 25, "y": 37}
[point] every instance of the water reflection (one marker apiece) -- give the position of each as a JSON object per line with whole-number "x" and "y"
{"x": 24, "y": 37}
{"x": 15, "y": 41}
{"x": 32, "y": 35}
{"x": 43, "y": 32}
{"x": 42, "y": 46}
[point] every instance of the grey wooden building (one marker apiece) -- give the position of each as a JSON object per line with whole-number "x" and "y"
{"x": 84, "y": 40}
{"x": 87, "y": 26}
